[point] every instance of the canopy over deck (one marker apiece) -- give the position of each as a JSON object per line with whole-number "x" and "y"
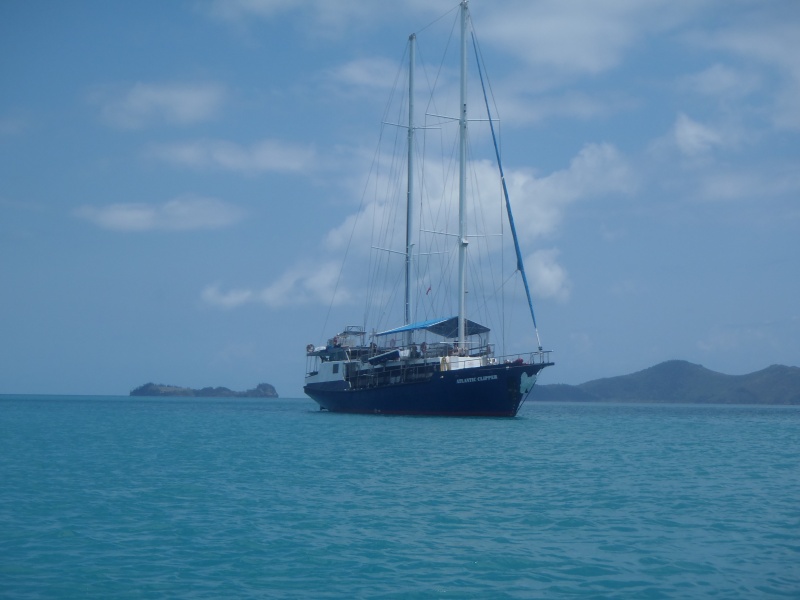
{"x": 446, "y": 327}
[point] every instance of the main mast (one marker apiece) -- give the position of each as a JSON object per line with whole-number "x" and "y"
{"x": 409, "y": 313}
{"x": 462, "y": 184}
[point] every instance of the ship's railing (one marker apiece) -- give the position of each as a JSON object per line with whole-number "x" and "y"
{"x": 538, "y": 357}
{"x": 541, "y": 357}
{"x": 423, "y": 351}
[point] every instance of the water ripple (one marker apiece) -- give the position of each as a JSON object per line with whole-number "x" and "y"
{"x": 123, "y": 498}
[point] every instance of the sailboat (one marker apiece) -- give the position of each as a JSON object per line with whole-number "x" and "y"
{"x": 443, "y": 365}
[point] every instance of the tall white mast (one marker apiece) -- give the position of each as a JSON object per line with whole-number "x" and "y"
{"x": 462, "y": 184}
{"x": 409, "y": 313}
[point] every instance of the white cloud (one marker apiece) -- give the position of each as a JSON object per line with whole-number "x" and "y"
{"x": 568, "y": 37}
{"x": 693, "y": 138}
{"x": 239, "y": 9}
{"x": 299, "y": 285}
{"x": 146, "y": 103}
{"x": 773, "y": 41}
{"x": 266, "y": 155}
{"x": 702, "y": 162}
{"x": 539, "y": 203}
{"x": 315, "y": 18}
{"x": 230, "y": 299}
{"x": 696, "y": 143}
{"x": 180, "y": 214}
{"x": 555, "y": 34}
{"x": 752, "y": 184}
{"x": 547, "y": 278}
{"x": 721, "y": 81}
{"x": 585, "y": 37}
{"x": 373, "y": 72}
{"x": 322, "y": 17}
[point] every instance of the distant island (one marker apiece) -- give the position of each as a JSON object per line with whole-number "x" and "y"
{"x": 679, "y": 381}
{"x": 262, "y": 390}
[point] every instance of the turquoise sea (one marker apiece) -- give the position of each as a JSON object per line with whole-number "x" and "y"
{"x": 111, "y": 497}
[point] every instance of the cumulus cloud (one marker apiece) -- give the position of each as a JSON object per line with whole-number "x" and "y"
{"x": 179, "y": 214}
{"x": 592, "y": 37}
{"x": 721, "y": 81}
{"x": 585, "y": 41}
{"x": 266, "y": 155}
{"x": 522, "y": 107}
{"x": 560, "y": 36}
{"x": 693, "y": 138}
{"x": 772, "y": 41}
{"x": 696, "y": 143}
{"x": 229, "y": 299}
{"x": 302, "y": 284}
{"x": 539, "y": 203}
{"x": 373, "y": 72}
{"x": 547, "y": 278}
{"x": 327, "y": 19}
{"x": 701, "y": 155}
{"x": 144, "y": 104}
{"x": 780, "y": 180}
{"x": 238, "y": 9}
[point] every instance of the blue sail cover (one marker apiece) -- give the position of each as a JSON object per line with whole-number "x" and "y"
{"x": 446, "y": 327}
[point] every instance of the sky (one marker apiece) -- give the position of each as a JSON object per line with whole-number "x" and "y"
{"x": 176, "y": 178}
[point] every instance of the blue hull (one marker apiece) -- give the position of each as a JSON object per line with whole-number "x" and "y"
{"x": 488, "y": 391}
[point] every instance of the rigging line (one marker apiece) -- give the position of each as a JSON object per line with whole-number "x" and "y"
{"x": 481, "y": 62}
{"x": 376, "y": 267}
{"x": 481, "y": 262}
{"x": 443, "y": 274}
{"x": 373, "y": 166}
{"x": 423, "y": 150}
{"x": 432, "y": 100}
{"x": 431, "y": 97}
{"x": 433, "y": 86}
{"x": 382, "y": 280}
{"x": 437, "y": 212}
{"x": 502, "y": 270}
{"x": 520, "y": 265}
{"x": 437, "y": 19}
{"x": 498, "y": 290}
{"x": 432, "y": 244}
{"x": 484, "y": 259}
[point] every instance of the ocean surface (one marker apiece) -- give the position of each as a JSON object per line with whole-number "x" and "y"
{"x": 111, "y": 497}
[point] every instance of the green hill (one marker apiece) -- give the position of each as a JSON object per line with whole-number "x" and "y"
{"x": 678, "y": 381}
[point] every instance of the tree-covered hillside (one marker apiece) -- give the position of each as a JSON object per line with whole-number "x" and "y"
{"x": 679, "y": 381}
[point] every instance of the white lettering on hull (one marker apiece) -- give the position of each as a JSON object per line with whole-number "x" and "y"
{"x": 476, "y": 379}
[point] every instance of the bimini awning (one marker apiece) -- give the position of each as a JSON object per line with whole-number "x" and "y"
{"x": 447, "y": 327}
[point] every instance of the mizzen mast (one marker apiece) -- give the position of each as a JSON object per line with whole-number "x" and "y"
{"x": 462, "y": 185}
